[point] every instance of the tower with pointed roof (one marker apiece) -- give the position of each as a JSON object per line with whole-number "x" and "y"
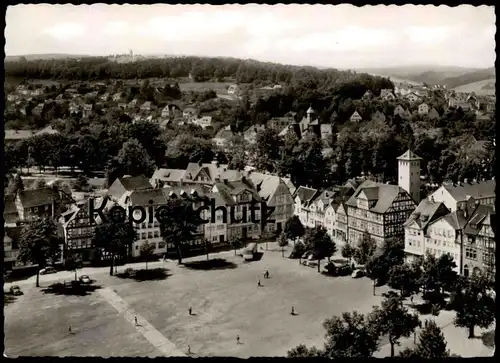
{"x": 409, "y": 174}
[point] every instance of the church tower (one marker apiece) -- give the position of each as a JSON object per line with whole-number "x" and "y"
{"x": 409, "y": 174}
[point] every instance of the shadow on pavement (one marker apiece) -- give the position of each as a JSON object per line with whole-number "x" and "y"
{"x": 215, "y": 264}
{"x": 8, "y": 298}
{"x": 152, "y": 274}
{"x": 488, "y": 338}
{"x": 73, "y": 288}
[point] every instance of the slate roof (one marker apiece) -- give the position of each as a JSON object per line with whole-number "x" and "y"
{"x": 135, "y": 182}
{"x": 305, "y": 194}
{"x": 142, "y": 197}
{"x": 226, "y": 190}
{"x": 409, "y": 155}
{"x": 37, "y": 197}
{"x": 481, "y": 213}
{"x": 424, "y": 213}
{"x": 478, "y": 190}
{"x": 172, "y": 175}
{"x": 456, "y": 219}
{"x": 384, "y": 194}
{"x": 290, "y": 185}
{"x": 266, "y": 184}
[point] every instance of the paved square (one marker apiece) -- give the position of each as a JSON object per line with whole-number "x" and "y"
{"x": 226, "y": 303}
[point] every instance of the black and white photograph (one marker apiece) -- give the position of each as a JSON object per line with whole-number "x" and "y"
{"x": 249, "y": 181}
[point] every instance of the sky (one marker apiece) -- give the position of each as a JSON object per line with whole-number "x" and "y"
{"x": 339, "y": 36}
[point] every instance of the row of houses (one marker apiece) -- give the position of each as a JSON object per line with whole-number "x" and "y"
{"x": 456, "y": 219}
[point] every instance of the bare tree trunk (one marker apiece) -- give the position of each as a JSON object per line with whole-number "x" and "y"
{"x": 38, "y": 278}
{"x": 75, "y": 275}
{"x": 471, "y": 331}
{"x": 112, "y": 265}
{"x": 374, "y": 287}
{"x": 319, "y": 262}
{"x": 392, "y": 349}
{"x": 179, "y": 253}
{"x": 283, "y": 252}
{"x": 146, "y": 264}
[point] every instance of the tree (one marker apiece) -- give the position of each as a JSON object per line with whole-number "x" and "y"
{"x": 351, "y": 335}
{"x": 438, "y": 275}
{"x": 178, "y": 223}
{"x": 404, "y": 278}
{"x": 299, "y": 248}
{"x": 294, "y": 228}
{"x": 237, "y": 243}
{"x": 474, "y": 305}
{"x": 73, "y": 261}
{"x": 208, "y": 246}
{"x": 81, "y": 183}
{"x": 347, "y": 251}
{"x": 431, "y": 342}
{"x": 115, "y": 235}
{"x": 365, "y": 249}
{"x": 135, "y": 159}
{"x": 319, "y": 241}
{"x": 146, "y": 251}
{"x": 301, "y": 351}
{"x": 15, "y": 185}
{"x": 39, "y": 184}
{"x": 391, "y": 254}
{"x": 393, "y": 320}
{"x": 282, "y": 242}
{"x": 39, "y": 244}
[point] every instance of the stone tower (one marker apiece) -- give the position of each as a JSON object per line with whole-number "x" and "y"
{"x": 409, "y": 174}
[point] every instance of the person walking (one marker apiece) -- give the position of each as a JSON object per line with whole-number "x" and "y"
{"x": 266, "y": 274}
{"x": 237, "y": 339}
{"x": 293, "y": 311}
{"x": 135, "y": 320}
{"x": 190, "y": 310}
{"x": 189, "y": 349}
{"x": 258, "y": 283}
{"x": 69, "y": 330}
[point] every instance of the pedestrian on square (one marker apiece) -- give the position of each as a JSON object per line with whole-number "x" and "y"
{"x": 258, "y": 283}
{"x": 266, "y": 274}
{"x": 135, "y": 320}
{"x": 293, "y": 311}
{"x": 237, "y": 339}
{"x": 190, "y": 310}
{"x": 189, "y": 349}
{"x": 69, "y": 330}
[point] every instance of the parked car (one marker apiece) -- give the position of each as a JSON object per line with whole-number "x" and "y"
{"x": 48, "y": 270}
{"x": 85, "y": 279}
{"x": 15, "y": 290}
{"x": 249, "y": 251}
{"x": 357, "y": 274}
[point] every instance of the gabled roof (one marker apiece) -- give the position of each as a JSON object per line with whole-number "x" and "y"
{"x": 290, "y": 185}
{"x": 305, "y": 194}
{"x": 385, "y": 195}
{"x": 482, "y": 189}
{"x": 480, "y": 215}
{"x": 224, "y": 133}
{"x": 37, "y": 197}
{"x": 230, "y": 188}
{"x": 456, "y": 219}
{"x": 266, "y": 184}
{"x": 424, "y": 213}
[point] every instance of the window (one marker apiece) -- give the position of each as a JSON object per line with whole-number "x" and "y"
{"x": 161, "y": 245}
{"x": 136, "y": 247}
{"x": 471, "y": 253}
{"x": 156, "y": 233}
{"x": 143, "y": 235}
{"x": 150, "y": 234}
